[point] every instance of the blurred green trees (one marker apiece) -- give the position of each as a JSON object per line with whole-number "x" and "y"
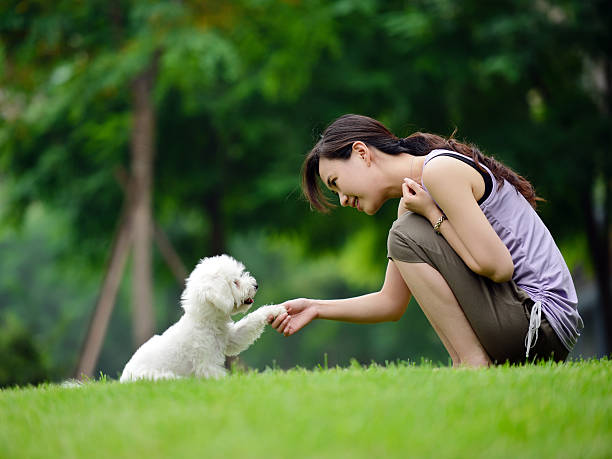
{"x": 22, "y": 361}
{"x": 242, "y": 89}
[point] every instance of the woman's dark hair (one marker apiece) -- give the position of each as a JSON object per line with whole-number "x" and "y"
{"x": 337, "y": 143}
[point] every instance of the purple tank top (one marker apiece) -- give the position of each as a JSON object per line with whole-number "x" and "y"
{"x": 539, "y": 268}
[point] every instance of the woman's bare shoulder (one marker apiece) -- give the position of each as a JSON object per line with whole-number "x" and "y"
{"x": 448, "y": 173}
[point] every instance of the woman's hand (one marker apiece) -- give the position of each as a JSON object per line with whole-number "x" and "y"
{"x": 416, "y": 199}
{"x": 300, "y": 312}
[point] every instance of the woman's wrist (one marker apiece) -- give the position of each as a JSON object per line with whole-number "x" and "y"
{"x": 434, "y": 215}
{"x": 314, "y": 305}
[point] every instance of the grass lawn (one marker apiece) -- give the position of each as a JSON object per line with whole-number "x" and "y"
{"x": 399, "y": 410}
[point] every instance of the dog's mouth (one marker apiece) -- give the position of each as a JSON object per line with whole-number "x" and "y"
{"x": 248, "y": 301}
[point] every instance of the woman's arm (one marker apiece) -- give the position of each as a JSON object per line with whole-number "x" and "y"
{"x": 388, "y": 304}
{"x": 467, "y": 230}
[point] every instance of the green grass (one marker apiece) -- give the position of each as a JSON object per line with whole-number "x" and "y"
{"x": 399, "y": 410}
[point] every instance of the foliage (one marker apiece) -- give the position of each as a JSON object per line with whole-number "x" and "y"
{"x": 70, "y": 126}
{"x": 242, "y": 91}
{"x": 231, "y": 80}
{"x": 396, "y": 410}
{"x": 21, "y": 361}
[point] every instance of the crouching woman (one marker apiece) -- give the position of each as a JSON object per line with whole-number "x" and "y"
{"x": 467, "y": 243}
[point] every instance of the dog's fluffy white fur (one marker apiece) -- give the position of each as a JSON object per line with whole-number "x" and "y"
{"x": 198, "y": 343}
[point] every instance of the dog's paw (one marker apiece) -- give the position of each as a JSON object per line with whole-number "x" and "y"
{"x": 272, "y": 310}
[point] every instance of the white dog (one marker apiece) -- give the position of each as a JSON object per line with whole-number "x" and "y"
{"x": 197, "y": 344}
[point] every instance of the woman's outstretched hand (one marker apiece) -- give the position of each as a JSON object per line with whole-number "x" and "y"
{"x": 417, "y": 200}
{"x": 300, "y": 312}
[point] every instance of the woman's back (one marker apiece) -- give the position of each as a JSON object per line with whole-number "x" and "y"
{"x": 539, "y": 267}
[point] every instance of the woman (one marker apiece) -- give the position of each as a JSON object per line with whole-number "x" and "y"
{"x": 467, "y": 244}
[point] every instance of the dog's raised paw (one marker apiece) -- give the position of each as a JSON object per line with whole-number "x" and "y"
{"x": 273, "y": 309}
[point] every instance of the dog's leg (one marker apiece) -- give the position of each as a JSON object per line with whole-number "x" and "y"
{"x": 165, "y": 375}
{"x": 244, "y": 332}
{"x": 151, "y": 375}
{"x": 209, "y": 371}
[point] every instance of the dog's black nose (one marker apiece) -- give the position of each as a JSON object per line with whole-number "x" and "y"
{"x": 256, "y": 286}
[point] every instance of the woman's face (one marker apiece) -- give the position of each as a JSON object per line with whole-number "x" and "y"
{"x": 356, "y": 180}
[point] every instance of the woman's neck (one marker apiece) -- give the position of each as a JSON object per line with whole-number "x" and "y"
{"x": 398, "y": 167}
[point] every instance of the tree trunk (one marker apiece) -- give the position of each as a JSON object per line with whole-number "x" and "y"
{"x": 217, "y": 233}
{"x": 598, "y": 219}
{"x": 172, "y": 258}
{"x": 598, "y": 235}
{"x": 104, "y": 307}
{"x": 143, "y": 152}
{"x": 216, "y": 245}
{"x": 170, "y": 255}
{"x": 604, "y": 272}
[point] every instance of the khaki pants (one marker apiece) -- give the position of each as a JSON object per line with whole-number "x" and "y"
{"x": 498, "y": 312}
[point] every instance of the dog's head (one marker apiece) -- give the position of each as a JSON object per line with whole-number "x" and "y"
{"x": 220, "y": 282}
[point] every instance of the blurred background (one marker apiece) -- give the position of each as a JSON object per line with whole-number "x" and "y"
{"x": 137, "y": 137}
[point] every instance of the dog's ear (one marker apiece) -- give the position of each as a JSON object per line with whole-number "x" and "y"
{"x": 201, "y": 290}
{"x": 220, "y": 295}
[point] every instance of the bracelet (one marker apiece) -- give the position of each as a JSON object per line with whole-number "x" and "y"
{"x": 436, "y": 226}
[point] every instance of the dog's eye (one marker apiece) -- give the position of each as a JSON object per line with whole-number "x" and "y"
{"x": 237, "y": 283}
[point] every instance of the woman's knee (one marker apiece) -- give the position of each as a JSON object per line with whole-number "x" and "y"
{"x": 413, "y": 239}
{"x": 421, "y": 231}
